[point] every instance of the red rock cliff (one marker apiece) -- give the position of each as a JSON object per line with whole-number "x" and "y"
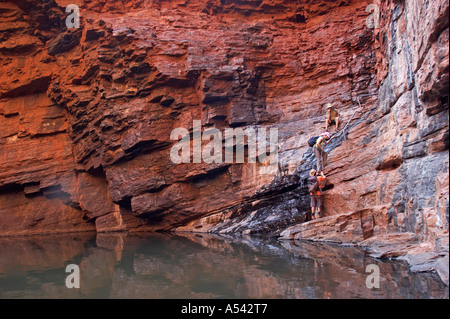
{"x": 86, "y": 115}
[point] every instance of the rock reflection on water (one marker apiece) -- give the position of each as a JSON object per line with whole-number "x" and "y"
{"x": 199, "y": 266}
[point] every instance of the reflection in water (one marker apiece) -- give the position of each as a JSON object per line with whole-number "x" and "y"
{"x": 199, "y": 266}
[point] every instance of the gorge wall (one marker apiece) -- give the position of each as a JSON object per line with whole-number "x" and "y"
{"x": 86, "y": 116}
{"x": 393, "y": 170}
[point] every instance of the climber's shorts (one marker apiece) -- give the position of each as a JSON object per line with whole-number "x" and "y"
{"x": 316, "y": 201}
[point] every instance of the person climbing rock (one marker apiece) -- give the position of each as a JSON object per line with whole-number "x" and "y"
{"x": 332, "y": 117}
{"x": 313, "y": 185}
{"x": 319, "y": 152}
{"x": 321, "y": 180}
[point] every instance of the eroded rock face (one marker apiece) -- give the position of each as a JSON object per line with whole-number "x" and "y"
{"x": 115, "y": 89}
{"x": 390, "y": 173}
{"x": 399, "y": 179}
{"x": 86, "y": 116}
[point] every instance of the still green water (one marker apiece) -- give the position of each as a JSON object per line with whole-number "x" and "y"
{"x": 199, "y": 266}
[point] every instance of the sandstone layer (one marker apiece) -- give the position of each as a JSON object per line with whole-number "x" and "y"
{"x": 400, "y": 176}
{"x": 86, "y": 116}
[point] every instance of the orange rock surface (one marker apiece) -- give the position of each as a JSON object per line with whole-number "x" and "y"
{"x": 86, "y": 116}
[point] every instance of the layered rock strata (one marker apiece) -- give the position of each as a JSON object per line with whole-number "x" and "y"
{"x": 400, "y": 175}
{"x": 86, "y": 116}
{"x": 116, "y": 87}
